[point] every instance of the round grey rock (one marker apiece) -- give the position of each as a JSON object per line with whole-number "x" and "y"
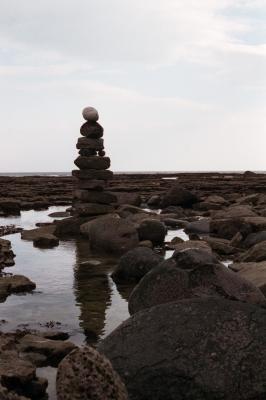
{"x": 90, "y": 114}
{"x": 193, "y": 349}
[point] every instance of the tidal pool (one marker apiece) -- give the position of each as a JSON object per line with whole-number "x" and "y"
{"x": 74, "y": 289}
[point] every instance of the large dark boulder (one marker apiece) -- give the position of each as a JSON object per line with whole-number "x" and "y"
{"x": 85, "y": 374}
{"x": 178, "y": 196}
{"x": 110, "y": 234}
{"x": 200, "y": 349}
{"x": 135, "y": 264}
{"x": 170, "y": 281}
{"x": 153, "y": 230}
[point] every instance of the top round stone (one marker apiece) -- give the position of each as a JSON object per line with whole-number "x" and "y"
{"x": 90, "y": 114}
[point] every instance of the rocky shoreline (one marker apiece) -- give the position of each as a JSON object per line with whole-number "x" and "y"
{"x": 190, "y": 304}
{"x": 39, "y": 192}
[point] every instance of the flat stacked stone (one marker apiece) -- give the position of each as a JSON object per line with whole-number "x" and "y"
{"x": 91, "y": 197}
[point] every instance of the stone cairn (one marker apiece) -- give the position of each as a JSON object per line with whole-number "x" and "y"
{"x": 90, "y": 196}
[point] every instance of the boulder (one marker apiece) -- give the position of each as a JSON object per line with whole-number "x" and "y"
{"x": 111, "y": 234}
{"x": 178, "y": 196}
{"x": 256, "y": 253}
{"x": 153, "y": 230}
{"x": 253, "y": 272}
{"x": 85, "y": 374}
{"x": 193, "y": 349}
{"x": 135, "y": 264}
{"x": 167, "y": 282}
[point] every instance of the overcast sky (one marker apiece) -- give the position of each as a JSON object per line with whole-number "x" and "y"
{"x": 179, "y": 84}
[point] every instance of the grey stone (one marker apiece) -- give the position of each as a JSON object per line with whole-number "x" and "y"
{"x": 193, "y": 349}
{"x": 111, "y": 234}
{"x": 90, "y": 114}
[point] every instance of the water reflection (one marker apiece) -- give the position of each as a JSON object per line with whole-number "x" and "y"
{"x": 96, "y": 294}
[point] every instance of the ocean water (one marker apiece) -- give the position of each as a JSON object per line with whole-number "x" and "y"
{"x": 68, "y": 173}
{"x": 74, "y": 289}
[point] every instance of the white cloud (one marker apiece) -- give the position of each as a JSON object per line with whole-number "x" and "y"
{"x": 180, "y": 84}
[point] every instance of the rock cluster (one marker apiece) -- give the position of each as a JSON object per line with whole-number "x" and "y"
{"x": 20, "y": 355}
{"x": 90, "y": 196}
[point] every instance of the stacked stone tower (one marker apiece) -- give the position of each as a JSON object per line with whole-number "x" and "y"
{"x": 91, "y": 197}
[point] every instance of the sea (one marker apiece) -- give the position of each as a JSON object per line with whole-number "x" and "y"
{"x": 36, "y": 173}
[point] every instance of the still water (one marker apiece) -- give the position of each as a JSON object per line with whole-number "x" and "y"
{"x": 74, "y": 289}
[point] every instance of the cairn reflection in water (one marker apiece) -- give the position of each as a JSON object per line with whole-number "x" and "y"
{"x": 102, "y": 308}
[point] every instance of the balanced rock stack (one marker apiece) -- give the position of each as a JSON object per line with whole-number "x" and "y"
{"x": 91, "y": 197}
